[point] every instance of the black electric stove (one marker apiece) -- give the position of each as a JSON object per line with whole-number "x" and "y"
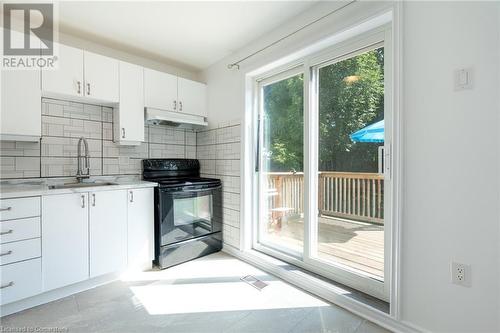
{"x": 188, "y": 210}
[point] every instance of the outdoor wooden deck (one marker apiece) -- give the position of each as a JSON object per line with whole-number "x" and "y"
{"x": 355, "y": 244}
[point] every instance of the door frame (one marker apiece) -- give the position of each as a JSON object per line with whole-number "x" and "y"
{"x": 380, "y": 35}
{"x": 296, "y": 69}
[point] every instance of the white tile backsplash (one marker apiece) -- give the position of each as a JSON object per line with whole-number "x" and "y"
{"x": 107, "y": 131}
{"x": 227, "y": 167}
{"x": 206, "y": 138}
{"x": 121, "y": 166}
{"x": 111, "y": 149}
{"x": 67, "y": 166}
{"x": 67, "y": 147}
{"x": 73, "y": 110}
{"x": 64, "y": 122}
{"x": 207, "y": 166}
{"x": 229, "y": 134}
{"x": 19, "y": 167}
{"x": 228, "y": 151}
{"x": 206, "y": 152}
{"x": 166, "y": 151}
{"x": 190, "y": 138}
{"x": 190, "y": 151}
{"x": 230, "y": 183}
{"x": 19, "y": 148}
{"x": 166, "y": 135}
{"x": 219, "y": 152}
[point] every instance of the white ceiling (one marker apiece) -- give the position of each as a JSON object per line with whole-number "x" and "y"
{"x": 196, "y": 34}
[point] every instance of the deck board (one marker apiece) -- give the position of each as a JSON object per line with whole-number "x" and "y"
{"x": 355, "y": 244}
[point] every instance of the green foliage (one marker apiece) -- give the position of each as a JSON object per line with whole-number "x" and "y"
{"x": 284, "y": 125}
{"x": 351, "y": 96}
{"x": 346, "y": 106}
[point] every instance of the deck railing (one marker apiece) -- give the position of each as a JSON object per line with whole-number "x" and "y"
{"x": 351, "y": 195}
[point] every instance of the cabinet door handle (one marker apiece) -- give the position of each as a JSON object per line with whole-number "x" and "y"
{"x": 6, "y": 232}
{"x": 5, "y": 253}
{"x": 88, "y": 89}
{"x": 10, "y": 284}
{"x": 79, "y": 87}
{"x": 83, "y": 201}
{"x": 175, "y": 105}
{"x": 180, "y": 106}
{"x": 131, "y": 196}
{"x": 93, "y": 199}
{"x": 123, "y": 133}
{"x": 5, "y": 209}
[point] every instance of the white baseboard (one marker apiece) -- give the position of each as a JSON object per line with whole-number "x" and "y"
{"x": 56, "y": 294}
{"x": 323, "y": 290}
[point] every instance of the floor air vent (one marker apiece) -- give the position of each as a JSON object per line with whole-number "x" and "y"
{"x": 254, "y": 282}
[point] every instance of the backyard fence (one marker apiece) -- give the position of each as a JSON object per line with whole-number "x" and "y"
{"x": 351, "y": 195}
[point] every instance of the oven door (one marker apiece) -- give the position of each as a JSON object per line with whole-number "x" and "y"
{"x": 189, "y": 212}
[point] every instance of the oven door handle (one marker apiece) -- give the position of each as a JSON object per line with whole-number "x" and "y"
{"x": 194, "y": 190}
{"x": 202, "y": 189}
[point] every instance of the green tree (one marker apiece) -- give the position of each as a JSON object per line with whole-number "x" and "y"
{"x": 351, "y": 96}
{"x": 284, "y": 125}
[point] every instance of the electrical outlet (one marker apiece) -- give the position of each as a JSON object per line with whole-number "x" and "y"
{"x": 461, "y": 274}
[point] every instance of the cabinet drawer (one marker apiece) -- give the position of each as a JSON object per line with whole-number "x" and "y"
{"x": 17, "y": 251}
{"x": 20, "y": 280}
{"x": 19, "y": 208}
{"x": 16, "y": 230}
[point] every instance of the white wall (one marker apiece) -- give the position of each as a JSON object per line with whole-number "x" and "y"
{"x": 451, "y": 189}
{"x": 451, "y": 151}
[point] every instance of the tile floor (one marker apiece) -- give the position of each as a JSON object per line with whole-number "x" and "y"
{"x": 204, "y": 295}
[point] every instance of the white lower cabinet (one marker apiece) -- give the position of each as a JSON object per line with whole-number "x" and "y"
{"x": 108, "y": 232}
{"x": 83, "y": 235}
{"x": 20, "y": 280}
{"x": 65, "y": 240}
{"x": 20, "y": 249}
{"x": 140, "y": 228}
{"x": 18, "y": 230}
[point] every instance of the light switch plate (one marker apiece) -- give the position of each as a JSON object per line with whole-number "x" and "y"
{"x": 463, "y": 79}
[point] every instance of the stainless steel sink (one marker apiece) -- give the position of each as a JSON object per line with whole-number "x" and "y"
{"x": 76, "y": 185}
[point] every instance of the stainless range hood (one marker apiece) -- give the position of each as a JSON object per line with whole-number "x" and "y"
{"x": 163, "y": 117}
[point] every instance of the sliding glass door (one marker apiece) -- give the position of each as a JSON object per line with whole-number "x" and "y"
{"x": 281, "y": 162}
{"x": 350, "y": 99}
{"x": 342, "y": 164}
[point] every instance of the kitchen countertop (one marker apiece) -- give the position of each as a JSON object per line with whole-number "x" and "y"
{"x": 35, "y": 187}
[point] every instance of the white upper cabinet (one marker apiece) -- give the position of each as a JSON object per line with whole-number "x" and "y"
{"x": 129, "y": 115}
{"x": 192, "y": 97}
{"x": 21, "y": 109}
{"x": 101, "y": 77}
{"x": 108, "y": 232}
{"x": 168, "y": 92}
{"x": 67, "y": 78}
{"x": 82, "y": 74}
{"x": 160, "y": 90}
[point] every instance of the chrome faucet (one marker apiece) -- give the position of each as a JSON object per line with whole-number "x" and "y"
{"x": 83, "y": 171}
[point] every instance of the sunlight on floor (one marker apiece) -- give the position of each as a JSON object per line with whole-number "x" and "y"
{"x": 214, "y": 285}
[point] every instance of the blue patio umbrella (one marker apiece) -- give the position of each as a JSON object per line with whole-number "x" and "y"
{"x": 370, "y": 133}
